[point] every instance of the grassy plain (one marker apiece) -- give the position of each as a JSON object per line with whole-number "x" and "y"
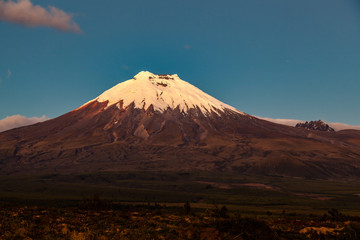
{"x": 150, "y": 205}
{"x": 247, "y": 192}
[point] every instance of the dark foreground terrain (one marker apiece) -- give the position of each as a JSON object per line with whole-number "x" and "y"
{"x": 153, "y": 205}
{"x": 99, "y": 219}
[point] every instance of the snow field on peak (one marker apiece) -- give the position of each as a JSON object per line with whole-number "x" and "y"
{"x": 162, "y": 91}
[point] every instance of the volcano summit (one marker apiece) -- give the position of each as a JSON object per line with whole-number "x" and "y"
{"x": 161, "y": 92}
{"x": 160, "y": 122}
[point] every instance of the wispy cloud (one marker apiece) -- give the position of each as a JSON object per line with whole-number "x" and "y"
{"x": 126, "y": 67}
{"x": 288, "y": 122}
{"x": 19, "y": 121}
{"x": 24, "y": 12}
{"x": 293, "y": 122}
{"x": 342, "y": 126}
{"x": 9, "y": 73}
{"x": 187, "y": 47}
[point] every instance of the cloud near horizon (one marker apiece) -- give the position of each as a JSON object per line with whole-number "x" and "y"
{"x": 342, "y": 126}
{"x": 288, "y": 122}
{"x": 24, "y": 12}
{"x": 19, "y": 121}
{"x": 293, "y": 122}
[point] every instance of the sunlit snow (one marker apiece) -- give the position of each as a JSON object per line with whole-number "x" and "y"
{"x": 163, "y": 92}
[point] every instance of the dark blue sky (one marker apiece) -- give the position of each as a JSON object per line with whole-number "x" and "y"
{"x": 272, "y": 58}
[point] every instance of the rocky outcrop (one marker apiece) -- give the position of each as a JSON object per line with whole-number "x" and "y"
{"x": 315, "y": 125}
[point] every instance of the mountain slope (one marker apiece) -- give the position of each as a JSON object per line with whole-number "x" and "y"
{"x": 159, "y": 122}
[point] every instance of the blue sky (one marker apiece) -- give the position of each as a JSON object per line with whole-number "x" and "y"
{"x": 296, "y": 59}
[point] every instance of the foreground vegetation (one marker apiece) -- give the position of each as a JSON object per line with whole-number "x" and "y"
{"x": 158, "y": 205}
{"x": 101, "y": 219}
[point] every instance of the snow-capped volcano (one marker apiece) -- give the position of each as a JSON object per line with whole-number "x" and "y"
{"x": 162, "y": 92}
{"x": 162, "y": 123}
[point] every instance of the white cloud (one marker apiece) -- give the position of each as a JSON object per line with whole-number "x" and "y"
{"x": 24, "y": 12}
{"x": 342, "y": 126}
{"x": 9, "y": 73}
{"x": 19, "y": 121}
{"x": 288, "y": 122}
{"x": 293, "y": 122}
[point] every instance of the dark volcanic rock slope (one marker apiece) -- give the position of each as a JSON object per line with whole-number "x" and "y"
{"x": 118, "y": 135}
